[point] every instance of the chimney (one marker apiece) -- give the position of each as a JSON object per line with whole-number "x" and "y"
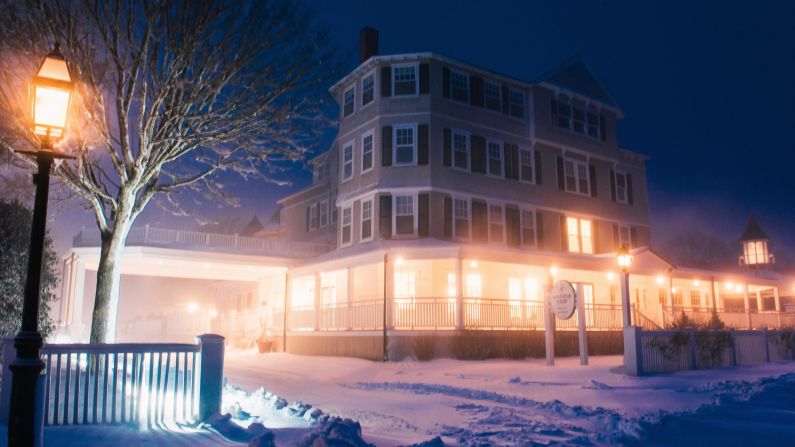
{"x": 368, "y": 43}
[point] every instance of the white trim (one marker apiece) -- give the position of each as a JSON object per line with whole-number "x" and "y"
{"x": 414, "y": 141}
{"x": 501, "y": 144}
{"x": 499, "y": 96}
{"x": 344, "y": 92}
{"x": 468, "y": 136}
{"x": 532, "y": 164}
{"x": 532, "y": 211}
{"x": 416, "y": 66}
{"x": 414, "y": 210}
{"x": 370, "y": 199}
{"x": 342, "y": 225}
{"x": 371, "y": 134}
{"x": 320, "y": 223}
{"x": 468, "y": 201}
{"x": 361, "y": 88}
{"x": 467, "y": 88}
{"x": 352, "y": 145}
{"x": 502, "y": 222}
{"x": 577, "y": 179}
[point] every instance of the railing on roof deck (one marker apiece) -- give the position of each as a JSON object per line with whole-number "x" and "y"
{"x": 164, "y": 236}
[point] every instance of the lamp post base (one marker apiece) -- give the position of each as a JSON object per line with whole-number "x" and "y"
{"x": 25, "y": 372}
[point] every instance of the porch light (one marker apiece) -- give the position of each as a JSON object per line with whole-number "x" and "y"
{"x": 400, "y": 261}
{"x": 738, "y": 288}
{"x": 729, "y": 285}
{"x": 51, "y": 94}
{"x": 660, "y": 280}
{"x": 624, "y": 258}
{"x": 473, "y": 263}
{"x": 673, "y": 289}
{"x": 553, "y": 270}
{"x": 611, "y": 276}
{"x": 696, "y": 283}
{"x": 192, "y": 307}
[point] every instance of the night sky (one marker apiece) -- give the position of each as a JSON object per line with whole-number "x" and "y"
{"x": 708, "y": 90}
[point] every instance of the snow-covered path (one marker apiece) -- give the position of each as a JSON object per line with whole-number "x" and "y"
{"x": 495, "y": 402}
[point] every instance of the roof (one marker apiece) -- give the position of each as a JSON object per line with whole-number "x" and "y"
{"x": 574, "y": 75}
{"x": 753, "y": 231}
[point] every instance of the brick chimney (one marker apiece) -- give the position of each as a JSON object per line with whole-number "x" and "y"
{"x": 368, "y": 43}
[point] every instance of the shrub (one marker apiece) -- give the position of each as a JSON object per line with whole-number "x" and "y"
{"x": 473, "y": 346}
{"x": 425, "y": 347}
{"x": 785, "y": 342}
{"x": 711, "y": 337}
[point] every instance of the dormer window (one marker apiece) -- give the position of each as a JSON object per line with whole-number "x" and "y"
{"x": 348, "y": 102}
{"x": 459, "y": 87}
{"x": 576, "y": 117}
{"x": 404, "y": 80}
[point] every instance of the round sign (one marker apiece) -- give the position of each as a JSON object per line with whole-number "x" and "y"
{"x": 563, "y": 300}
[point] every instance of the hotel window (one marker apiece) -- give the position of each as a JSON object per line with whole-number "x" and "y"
{"x": 347, "y": 161}
{"x": 494, "y": 153}
{"x": 405, "y": 285}
{"x": 323, "y": 214}
{"x": 367, "y": 220}
{"x": 493, "y": 96}
{"x": 624, "y": 238}
{"x": 461, "y": 212}
{"x": 677, "y": 296}
{"x": 578, "y": 119}
{"x": 347, "y": 218}
{"x": 516, "y": 101}
{"x": 576, "y": 176}
{"x": 695, "y": 298}
{"x": 404, "y": 80}
{"x": 459, "y": 86}
{"x": 313, "y": 217}
{"x": 348, "y": 102}
{"x": 460, "y": 150}
{"x": 528, "y": 228}
{"x": 561, "y": 113}
{"x": 579, "y": 235}
{"x": 367, "y": 151}
{"x": 621, "y": 187}
{"x": 526, "y": 165}
{"x": 405, "y": 145}
{"x": 404, "y": 215}
{"x": 496, "y": 225}
{"x": 368, "y": 87}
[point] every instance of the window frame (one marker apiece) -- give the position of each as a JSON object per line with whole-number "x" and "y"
{"x": 413, "y": 127}
{"x": 350, "y": 144}
{"x": 395, "y": 234}
{"x": 468, "y": 157}
{"x": 628, "y": 242}
{"x": 490, "y": 141}
{"x": 361, "y": 89}
{"x": 352, "y": 89}
{"x": 623, "y": 174}
{"x": 321, "y": 206}
{"x": 416, "y": 67}
{"x": 468, "y": 219}
{"x": 349, "y": 209}
{"x": 371, "y": 201}
{"x": 580, "y": 239}
{"x": 588, "y": 111}
{"x": 370, "y": 133}
{"x": 532, "y": 165}
{"x": 486, "y": 97}
{"x": 465, "y": 88}
{"x": 512, "y": 104}
{"x": 522, "y": 227}
{"x": 576, "y": 164}
{"x": 501, "y": 223}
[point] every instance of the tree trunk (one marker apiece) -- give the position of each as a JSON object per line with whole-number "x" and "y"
{"x": 108, "y": 272}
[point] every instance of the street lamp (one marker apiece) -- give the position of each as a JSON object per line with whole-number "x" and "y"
{"x": 51, "y": 95}
{"x": 624, "y": 259}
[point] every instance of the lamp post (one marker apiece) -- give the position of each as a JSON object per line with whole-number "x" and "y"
{"x": 51, "y": 95}
{"x": 624, "y": 258}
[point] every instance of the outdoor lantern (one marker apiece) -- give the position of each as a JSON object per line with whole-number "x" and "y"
{"x": 624, "y": 258}
{"x": 51, "y": 95}
{"x": 754, "y": 243}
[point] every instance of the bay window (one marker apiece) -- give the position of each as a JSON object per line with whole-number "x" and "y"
{"x": 404, "y": 215}
{"x": 367, "y": 151}
{"x": 404, "y": 80}
{"x": 459, "y": 86}
{"x": 368, "y": 87}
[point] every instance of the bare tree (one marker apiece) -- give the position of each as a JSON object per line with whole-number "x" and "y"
{"x": 174, "y": 98}
{"x": 695, "y": 248}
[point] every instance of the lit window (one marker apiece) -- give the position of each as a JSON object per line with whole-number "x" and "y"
{"x": 347, "y": 218}
{"x": 474, "y": 286}
{"x": 576, "y": 176}
{"x": 368, "y": 87}
{"x": 405, "y": 147}
{"x": 755, "y": 252}
{"x": 516, "y": 101}
{"x": 323, "y": 214}
{"x": 313, "y": 217}
{"x": 528, "y": 228}
{"x": 347, "y": 161}
{"x": 494, "y": 153}
{"x": 405, "y": 285}
{"x": 579, "y": 235}
{"x": 367, "y": 151}
{"x": 404, "y": 80}
{"x": 526, "y": 165}
{"x": 404, "y": 215}
{"x": 452, "y": 290}
{"x": 367, "y": 219}
{"x": 695, "y": 298}
{"x": 460, "y": 150}
{"x": 621, "y": 187}
{"x": 459, "y": 86}
{"x": 461, "y": 212}
{"x": 493, "y": 96}
{"x": 496, "y": 225}
{"x": 348, "y": 102}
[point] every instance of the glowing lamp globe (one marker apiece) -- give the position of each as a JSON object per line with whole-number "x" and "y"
{"x": 51, "y": 95}
{"x": 624, "y": 257}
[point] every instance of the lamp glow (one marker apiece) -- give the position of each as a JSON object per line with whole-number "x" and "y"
{"x": 51, "y": 95}
{"x": 624, "y": 258}
{"x": 696, "y": 283}
{"x": 611, "y": 276}
{"x": 192, "y": 307}
{"x": 400, "y": 261}
{"x": 660, "y": 280}
{"x": 473, "y": 263}
{"x": 553, "y": 270}
{"x": 738, "y": 288}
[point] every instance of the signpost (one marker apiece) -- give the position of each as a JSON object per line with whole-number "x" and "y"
{"x": 561, "y": 301}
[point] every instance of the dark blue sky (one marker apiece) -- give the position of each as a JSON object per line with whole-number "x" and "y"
{"x": 708, "y": 90}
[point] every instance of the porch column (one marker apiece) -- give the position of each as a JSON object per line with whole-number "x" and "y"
{"x": 459, "y": 293}
{"x": 717, "y": 298}
{"x": 316, "y": 297}
{"x": 67, "y": 273}
{"x": 747, "y": 305}
{"x": 671, "y": 292}
{"x": 349, "y": 296}
{"x": 777, "y": 300}
{"x": 288, "y": 292}
{"x": 760, "y": 305}
{"x": 76, "y": 292}
{"x": 714, "y": 294}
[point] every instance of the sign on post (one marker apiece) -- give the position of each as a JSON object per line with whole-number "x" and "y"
{"x": 561, "y": 302}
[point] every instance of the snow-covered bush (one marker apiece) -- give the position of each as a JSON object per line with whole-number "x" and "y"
{"x": 425, "y": 347}
{"x": 785, "y": 343}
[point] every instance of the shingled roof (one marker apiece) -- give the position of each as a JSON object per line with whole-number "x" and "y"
{"x": 575, "y": 76}
{"x": 753, "y": 231}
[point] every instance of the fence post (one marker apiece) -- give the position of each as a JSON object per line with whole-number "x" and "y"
{"x": 211, "y": 381}
{"x": 633, "y": 350}
{"x": 734, "y": 347}
{"x": 692, "y": 343}
{"x": 9, "y": 355}
{"x": 767, "y": 345}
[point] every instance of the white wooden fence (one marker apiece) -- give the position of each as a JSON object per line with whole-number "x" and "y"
{"x": 124, "y": 383}
{"x": 660, "y": 351}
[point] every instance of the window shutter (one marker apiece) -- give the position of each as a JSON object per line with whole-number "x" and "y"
{"x": 539, "y": 229}
{"x": 512, "y": 232}
{"x": 613, "y": 185}
{"x": 592, "y": 175}
{"x": 630, "y": 195}
{"x": 478, "y": 161}
{"x": 422, "y": 144}
{"x": 386, "y": 81}
{"x": 616, "y": 238}
{"x": 385, "y": 214}
{"x": 512, "y": 161}
{"x": 422, "y": 214}
{"x": 602, "y": 128}
{"x": 476, "y": 91}
{"x": 386, "y": 146}
{"x": 538, "y": 168}
{"x": 448, "y": 218}
{"x": 561, "y": 174}
{"x": 633, "y": 237}
{"x": 448, "y": 147}
{"x": 505, "y": 105}
{"x": 424, "y": 79}
{"x": 564, "y": 236}
{"x": 446, "y": 82}
{"x": 307, "y": 218}
{"x": 480, "y": 224}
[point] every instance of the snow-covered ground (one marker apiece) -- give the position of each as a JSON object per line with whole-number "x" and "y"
{"x": 506, "y": 402}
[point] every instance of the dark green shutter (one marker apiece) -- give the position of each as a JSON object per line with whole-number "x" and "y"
{"x": 422, "y": 214}
{"x": 633, "y": 237}
{"x": 630, "y": 194}
{"x": 422, "y": 144}
{"x": 592, "y": 175}
{"x": 603, "y": 128}
{"x": 613, "y": 185}
{"x": 448, "y": 218}
{"x": 385, "y": 214}
{"x": 476, "y": 93}
{"x": 424, "y": 79}
{"x": 386, "y": 81}
{"x": 506, "y": 107}
{"x": 512, "y": 226}
{"x": 446, "y": 82}
{"x": 561, "y": 174}
{"x": 478, "y": 161}
{"x": 564, "y": 236}
{"x": 511, "y": 161}
{"x": 480, "y": 223}
{"x": 448, "y": 147}
{"x": 386, "y": 146}
{"x": 538, "y": 167}
{"x": 539, "y": 229}
{"x": 616, "y": 238}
